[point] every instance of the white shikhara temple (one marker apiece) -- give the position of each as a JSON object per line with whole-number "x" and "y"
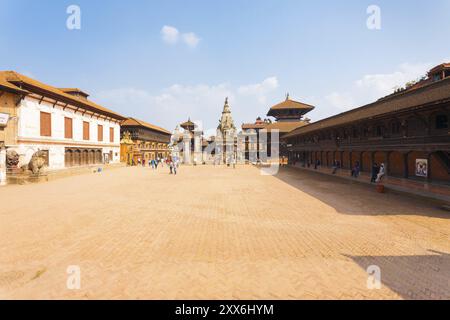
{"x": 191, "y": 147}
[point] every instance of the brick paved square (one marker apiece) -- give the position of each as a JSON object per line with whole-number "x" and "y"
{"x": 218, "y": 233}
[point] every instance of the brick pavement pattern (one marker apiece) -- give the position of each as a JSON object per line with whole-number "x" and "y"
{"x": 219, "y": 233}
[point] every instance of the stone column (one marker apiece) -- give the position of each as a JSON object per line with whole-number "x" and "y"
{"x": 253, "y": 147}
{"x": 187, "y": 148}
{"x": 198, "y": 156}
{"x": 2, "y": 166}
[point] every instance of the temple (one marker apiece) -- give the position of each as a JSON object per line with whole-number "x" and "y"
{"x": 226, "y": 137}
{"x": 260, "y": 137}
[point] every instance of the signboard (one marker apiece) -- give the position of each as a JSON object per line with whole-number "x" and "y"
{"x": 422, "y": 168}
{"x": 4, "y": 117}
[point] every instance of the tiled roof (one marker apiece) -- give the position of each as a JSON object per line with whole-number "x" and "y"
{"x": 18, "y": 80}
{"x": 246, "y": 126}
{"x": 432, "y": 93}
{"x": 74, "y": 90}
{"x": 132, "y": 122}
{"x": 291, "y": 104}
{"x": 7, "y": 86}
{"x": 285, "y": 126}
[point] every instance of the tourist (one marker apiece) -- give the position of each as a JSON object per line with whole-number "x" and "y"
{"x": 335, "y": 166}
{"x": 375, "y": 171}
{"x": 381, "y": 173}
{"x": 356, "y": 170}
{"x": 174, "y": 167}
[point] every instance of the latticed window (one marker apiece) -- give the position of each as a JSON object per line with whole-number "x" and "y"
{"x": 395, "y": 127}
{"x": 441, "y": 121}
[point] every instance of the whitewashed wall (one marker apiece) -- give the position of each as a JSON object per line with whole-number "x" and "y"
{"x": 29, "y": 129}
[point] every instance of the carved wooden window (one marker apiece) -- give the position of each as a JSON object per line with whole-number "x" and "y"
{"x": 396, "y": 127}
{"x": 85, "y": 130}
{"x": 441, "y": 121}
{"x": 379, "y": 130}
{"x": 68, "y": 128}
{"x": 100, "y": 132}
{"x": 111, "y": 134}
{"x": 46, "y": 124}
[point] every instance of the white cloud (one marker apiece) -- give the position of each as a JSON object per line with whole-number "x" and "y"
{"x": 369, "y": 88}
{"x": 259, "y": 90}
{"x": 202, "y": 102}
{"x": 191, "y": 39}
{"x": 170, "y": 34}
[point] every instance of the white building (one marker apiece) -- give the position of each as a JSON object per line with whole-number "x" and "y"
{"x": 70, "y": 129}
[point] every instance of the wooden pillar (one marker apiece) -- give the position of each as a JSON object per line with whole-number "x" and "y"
{"x": 388, "y": 167}
{"x": 350, "y": 164}
{"x": 361, "y": 166}
{"x": 405, "y": 165}
{"x": 429, "y": 158}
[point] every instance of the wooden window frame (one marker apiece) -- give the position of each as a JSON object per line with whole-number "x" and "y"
{"x": 86, "y": 134}
{"x": 111, "y": 134}
{"x": 100, "y": 133}
{"x": 45, "y": 131}
{"x": 67, "y": 136}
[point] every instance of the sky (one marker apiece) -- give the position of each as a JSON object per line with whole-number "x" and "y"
{"x": 166, "y": 61}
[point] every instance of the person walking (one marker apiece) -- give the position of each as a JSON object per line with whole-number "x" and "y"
{"x": 375, "y": 171}
{"x": 356, "y": 170}
{"x": 381, "y": 173}
{"x": 335, "y": 166}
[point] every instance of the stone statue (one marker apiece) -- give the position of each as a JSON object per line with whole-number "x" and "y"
{"x": 37, "y": 162}
{"x": 12, "y": 159}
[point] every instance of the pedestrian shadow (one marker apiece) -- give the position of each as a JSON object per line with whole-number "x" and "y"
{"x": 424, "y": 277}
{"x": 354, "y": 198}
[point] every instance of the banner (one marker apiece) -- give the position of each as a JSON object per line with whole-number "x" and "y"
{"x": 422, "y": 168}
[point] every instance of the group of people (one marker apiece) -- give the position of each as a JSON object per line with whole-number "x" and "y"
{"x": 378, "y": 173}
{"x": 172, "y": 163}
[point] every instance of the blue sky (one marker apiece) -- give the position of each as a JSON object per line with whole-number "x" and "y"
{"x": 254, "y": 51}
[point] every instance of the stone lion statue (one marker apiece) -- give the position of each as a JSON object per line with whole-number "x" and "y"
{"x": 37, "y": 162}
{"x": 12, "y": 159}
